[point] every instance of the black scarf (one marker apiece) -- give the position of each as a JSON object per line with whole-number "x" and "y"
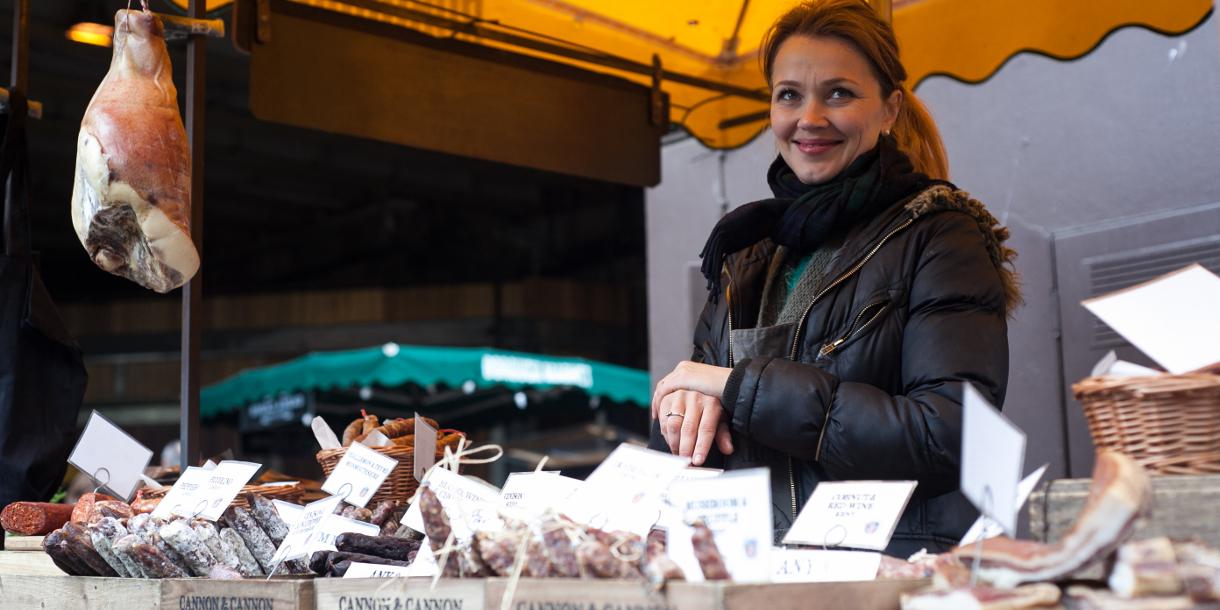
{"x": 802, "y": 216}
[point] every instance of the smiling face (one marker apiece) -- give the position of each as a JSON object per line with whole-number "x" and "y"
{"x": 827, "y": 106}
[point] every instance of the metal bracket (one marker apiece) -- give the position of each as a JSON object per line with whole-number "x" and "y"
{"x": 177, "y": 28}
{"x": 657, "y": 115}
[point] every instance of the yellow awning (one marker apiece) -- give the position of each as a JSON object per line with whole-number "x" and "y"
{"x": 708, "y": 49}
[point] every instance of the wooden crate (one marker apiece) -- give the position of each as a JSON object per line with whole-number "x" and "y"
{"x": 254, "y": 593}
{"x": 867, "y": 595}
{"x": 1183, "y": 507}
{"x": 390, "y": 593}
{"x": 21, "y": 592}
{"x": 530, "y": 594}
{"x": 25, "y": 592}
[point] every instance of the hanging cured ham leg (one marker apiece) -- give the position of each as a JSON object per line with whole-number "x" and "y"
{"x": 131, "y": 199}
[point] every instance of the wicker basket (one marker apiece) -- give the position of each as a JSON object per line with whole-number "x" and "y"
{"x": 401, "y": 483}
{"x": 1168, "y": 423}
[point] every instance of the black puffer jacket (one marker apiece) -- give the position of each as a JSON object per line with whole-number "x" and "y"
{"x": 868, "y": 385}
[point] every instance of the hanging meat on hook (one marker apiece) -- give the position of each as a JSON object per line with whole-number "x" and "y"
{"x": 131, "y": 203}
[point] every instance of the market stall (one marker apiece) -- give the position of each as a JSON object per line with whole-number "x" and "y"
{"x": 399, "y": 522}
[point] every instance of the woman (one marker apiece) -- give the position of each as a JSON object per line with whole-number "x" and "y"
{"x": 846, "y": 313}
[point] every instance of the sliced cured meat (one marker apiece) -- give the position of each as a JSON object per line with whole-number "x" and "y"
{"x": 1040, "y": 595}
{"x": 1146, "y": 567}
{"x": 1120, "y": 493}
{"x": 131, "y": 197}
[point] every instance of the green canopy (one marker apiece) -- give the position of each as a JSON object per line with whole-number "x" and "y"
{"x": 393, "y": 365}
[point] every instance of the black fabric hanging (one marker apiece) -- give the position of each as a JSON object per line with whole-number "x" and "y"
{"x": 42, "y": 375}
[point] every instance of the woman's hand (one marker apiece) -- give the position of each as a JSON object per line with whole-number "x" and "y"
{"x": 687, "y": 401}
{"x": 691, "y": 421}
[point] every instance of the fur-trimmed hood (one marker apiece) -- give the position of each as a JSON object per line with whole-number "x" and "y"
{"x": 942, "y": 198}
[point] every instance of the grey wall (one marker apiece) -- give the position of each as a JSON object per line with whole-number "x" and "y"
{"x": 1130, "y": 128}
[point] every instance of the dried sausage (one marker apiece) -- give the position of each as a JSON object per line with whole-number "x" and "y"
{"x": 34, "y": 518}
{"x": 246, "y": 563}
{"x": 381, "y": 546}
{"x": 706, "y": 552}
{"x": 268, "y": 518}
{"x": 182, "y": 538}
{"x": 256, "y": 539}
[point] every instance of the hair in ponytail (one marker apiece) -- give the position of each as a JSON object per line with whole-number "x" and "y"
{"x": 857, "y": 23}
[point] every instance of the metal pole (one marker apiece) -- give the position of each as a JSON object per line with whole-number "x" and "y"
{"x": 21, "y": 44}
{"x": 196, "y": 72}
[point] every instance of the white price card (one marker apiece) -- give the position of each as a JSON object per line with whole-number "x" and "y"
{"x": 359, "y": 474}
{"x": 736, "y": 506}
{"x": 809, "y": 565}
{"x": 425, "y": 562}
{"x": 331, "y": 526}
{"x": 207, "y": 493}
{"x": 625, "y": 491}
{"x": 300, "y": 535}
{"x": 183, "y": 498}
{"x": 1172, "y": 318}
{"x": 371, "y": 570}
{"x": 290, "y": 513}
{"x": 470, "y": 504}
{"x": 854, "y": 514}
{"x": 110, "y": 456}
{"x": 534, "y": 492}
{"x": 984, "y": 528}
{"x": 993, "y": 453}
{"x": 425, "y": 447}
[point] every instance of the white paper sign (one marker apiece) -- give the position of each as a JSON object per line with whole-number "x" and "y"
{"x": 110, "y": 456}
{"x": 1172, "y": 318}
{"x": 534, "y": 492}
{"x": 183, "y": 498}
{"x": 736, "y": 506}
{"x": 201, "y": 492}
{"x": 624, "y": 492}
{"x": 855, "y": 514}
{"x": 986, "y": 528}
{"x": 289, "y": 512}
{"x": 470, "y": 504}
{"x": 1112, "y": 366}
{"x": 425, "y": 447}
{"x": 425, "y": 562}
{"x": 297, "y": 542}
{"x": 359, "y": 474}
{"x": 372, "y": 570}
{"x": 331, "y": 526}
{"x": 696, "y": 472}
{"x": 223, "y": 484}
{"x": 993, "y": 452}
{"x": 807, "y": 565}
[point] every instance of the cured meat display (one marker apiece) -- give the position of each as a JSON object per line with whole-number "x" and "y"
{"x": 111, "y": 541}
{"x": 1121, "y": 493}
{"x": 131, "y": 204}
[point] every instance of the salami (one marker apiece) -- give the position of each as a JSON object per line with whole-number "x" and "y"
{"x": 109, "y": 508}
{"x": 706, "y": 552}
{"x": 124, "y": 549}
{"x": 496, "y": 550}
{"x": 55, "y": 547}
{"x": 79, "y": 544}
{"x": 382, "y": 512}
{"x": 34, "y": 518}
{"x": 182, "y": 538}
{"x": 211, "y": 539}
{"x": 246, "y": 563}
{"x": 436, "y": 522}
{"x": 84, "y": 506}
{"x": 256, "y": 539}
{"x": 381, "y": 546}
{"x": 596, "y": 560}
{"x": 657, "y": 567}
{"x": 155, "y": 563}
{"x": 268, "y": 518}
{"x": 318, "y": 562}
{"x": 557, "y": 545}
{"x": 389, "y": 528}
{"x": 103, "y": 533}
